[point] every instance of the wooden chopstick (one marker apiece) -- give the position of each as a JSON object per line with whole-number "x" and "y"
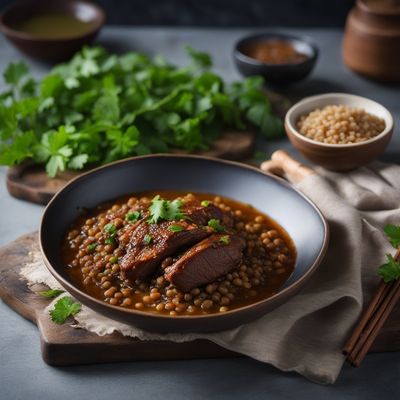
{"x": 375, "y": 302}
{"x": 385, "y": 298}
{"x": 359, "y": 353}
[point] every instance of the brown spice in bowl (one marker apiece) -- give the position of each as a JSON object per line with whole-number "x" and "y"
{"x": 339, "y": 124}
{"x": 275, "y": 52}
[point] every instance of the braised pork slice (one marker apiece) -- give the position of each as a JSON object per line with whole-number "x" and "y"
{"x": 206, "y": 261}
{"x": 151, "y": 243}
{"x": 148, "y": 244}
{"x": 202, "y": 214}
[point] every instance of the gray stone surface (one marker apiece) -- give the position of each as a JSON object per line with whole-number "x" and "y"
{"x": 24, "y": 375}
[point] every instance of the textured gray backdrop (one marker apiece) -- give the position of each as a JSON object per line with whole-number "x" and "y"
{"x": 223, "y": 13}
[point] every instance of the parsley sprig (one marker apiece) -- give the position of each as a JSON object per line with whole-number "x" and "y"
{"x": 165, "y": 210}
{"x": 64, "y": 308}
{"x": 51, "y": 293}
{"x": 176, "y": 228}
{"x": 390, "y": 270}
{"x": 215, "y": 224}
{"x": 111, "y": 230}
{"x": 100, "y": 107}
{"x": 224, "y": 239}
{"x": 133, "y": 216}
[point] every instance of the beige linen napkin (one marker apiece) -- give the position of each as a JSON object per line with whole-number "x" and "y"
{"x": 306, "y": 333}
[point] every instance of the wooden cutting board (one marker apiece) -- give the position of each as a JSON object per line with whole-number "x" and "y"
{"x": 30, "y": 182}
{"x": 63, "y": 345}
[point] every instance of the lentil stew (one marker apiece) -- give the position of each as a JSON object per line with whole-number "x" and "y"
{"x": 96, "y": 253}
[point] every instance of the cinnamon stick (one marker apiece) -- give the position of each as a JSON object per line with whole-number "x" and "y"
{"x": 358, "y": 358}
{"x": 375, "y": 302}
{"x": 366, "y": 331}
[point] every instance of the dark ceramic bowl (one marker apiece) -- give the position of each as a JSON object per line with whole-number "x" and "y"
{"x": 46, "y": 48}
{"x": 338, "y": 157}
{"x": 274, "y": 196}
{"x": 276, "y": 74}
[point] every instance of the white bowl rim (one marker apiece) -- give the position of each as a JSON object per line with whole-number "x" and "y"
{"x": 389, "y": 122}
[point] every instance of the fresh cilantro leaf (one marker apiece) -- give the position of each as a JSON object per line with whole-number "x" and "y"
{"x": 173, "y": 210}
{"x": 110, "y": 228}
{"x": 18, "y": 150}
{"x": 205, "y": 203}
{"x": 110, "y": 240}
{"x": 78, "y": 161}
{"x": 56, "y": 163}
{"x": 51, "y": 293}
{"x": 89, "y": 67}
{"x": 91, "y": 247}
{"x": 100, "y": 107}
{"x": 200, "y": 59}
{"x": 51, "y": 86}
{"x": 157, "y": 210}
{"x": 147, "y": 239}
{"x": 107, "y": 108}
{"x": 133, "y": 216}
{"x": 215, "y": 224}
{"x": 55, "y": 149}
{"x": 175, "y": 228}
{"x": 224, "y": 239}
{"x": 161, "y": 209}
{"x": 393, "y": 234}
{"x": 123, "y": 143}
{"x": 64, "y": 308}
{"x": 260, "y": 115}
{"x": 28, "y": 88}
{"x": 390, "y": 271}
{"x": 15, "y": 72}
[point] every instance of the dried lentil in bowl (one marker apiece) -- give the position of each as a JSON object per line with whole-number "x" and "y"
{"x": 339, "y": 124}
{"x": 92, "y": 262}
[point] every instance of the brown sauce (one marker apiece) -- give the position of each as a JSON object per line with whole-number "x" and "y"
{"x": 274, "y": 52}
{"x": 268, "y": 261}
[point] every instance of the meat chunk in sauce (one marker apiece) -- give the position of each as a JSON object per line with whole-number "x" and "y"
{"x": 151, "y": 243}
{"x": 206, "y": 261}
{"x": 142, "y": 258}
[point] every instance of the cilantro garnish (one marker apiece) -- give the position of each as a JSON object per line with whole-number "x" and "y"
{"x": 393, "y": 234}
{"x": 224, "y": 239}
{"x": 215, "y": 224}
{"x": 91, "y": 247}
{"x": 165, "y": 210}
{"x": 51, "y": 293}
{"x": 100, "y": 107}
{"x": 110, "y": 240}
{"x": 64, "y": 308}
{"x": 110, "y": 228}
{"x": 147, "y": 239}
{"x": 205, "y": 203}
{"x": 390, "y": 271}
{"x": 133, "y": 216}
{"x": 175, "y": 228}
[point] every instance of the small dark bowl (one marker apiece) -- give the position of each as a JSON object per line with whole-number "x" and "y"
{"x": 45, "y": 48}
{"x": 271, "y": 195}
{"x": 276, "y": 74}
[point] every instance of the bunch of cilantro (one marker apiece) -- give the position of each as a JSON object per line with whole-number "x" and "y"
{"x": 101, "y": 107}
